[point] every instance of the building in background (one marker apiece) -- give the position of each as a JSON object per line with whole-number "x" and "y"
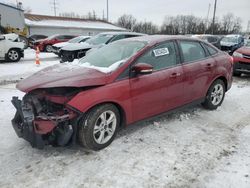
{"x": 50, "y": 25}
{"x": 11, "y": 18}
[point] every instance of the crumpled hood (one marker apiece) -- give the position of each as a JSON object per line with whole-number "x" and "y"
{"x": 78, "y": 46}
{"x": 244, "y": 50}
{"x": 63, "y": 75}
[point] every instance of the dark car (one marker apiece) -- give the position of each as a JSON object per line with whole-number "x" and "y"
{"x": 212, "y": 39}
{"x": 57, "y": 47}
{"x": 45, "y": 45}
{"x": 230, "y": 43}
{"x": 242, "y": 60}
{"x": 33, "y": 38}
{"x": 77, "y": 51}
{"x": 119, "y": 84}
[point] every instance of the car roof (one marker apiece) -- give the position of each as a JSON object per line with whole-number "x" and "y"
{"x": 122, "y": 33}
{"x": 232, "y": 35}
{"x": 160, "y": 38}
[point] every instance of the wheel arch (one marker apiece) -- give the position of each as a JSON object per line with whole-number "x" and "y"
{"x": 121, "y": 110}
{"x": 15, "y": 48}
{"x": 223, "y": 78}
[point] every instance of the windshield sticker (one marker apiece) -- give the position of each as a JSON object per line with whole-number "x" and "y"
{"x": 161, "y": 52}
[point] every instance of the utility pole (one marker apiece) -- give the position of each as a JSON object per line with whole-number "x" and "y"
{"x": 213, "y": 24}
{"x": 248, "y": 26}
{"x": 209, "y": 6}
{"x": 54, "y": 6}
{"x": 107, "y": 10}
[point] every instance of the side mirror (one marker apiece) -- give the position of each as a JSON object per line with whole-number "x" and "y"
{"x": 2, "y": 37}
{"x": 142, "y": 68}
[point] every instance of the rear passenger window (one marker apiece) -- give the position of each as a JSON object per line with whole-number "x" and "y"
{"x": 160, "y": 57}
{"x": 192, "y": 51}
{"x": 211, "y": 50}
{"x": 118, "y": 37}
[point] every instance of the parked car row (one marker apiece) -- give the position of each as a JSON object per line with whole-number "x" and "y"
{"x": 78, "y": 50}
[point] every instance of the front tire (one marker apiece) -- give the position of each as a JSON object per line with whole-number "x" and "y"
{"x": 99, "y": 127}
{"x": 13, "y": 55}
{"x": 215, "y": 95}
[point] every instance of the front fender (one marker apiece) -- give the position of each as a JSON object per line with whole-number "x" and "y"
{"x": 117, "y": 93}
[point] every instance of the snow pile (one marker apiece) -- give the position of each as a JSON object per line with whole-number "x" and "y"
{"x": 109, "y": 69}
{"x": 12, "y": 72}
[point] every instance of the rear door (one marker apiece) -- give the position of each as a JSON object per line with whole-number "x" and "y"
{"x": 162, "y": 90}
{"x": 198, "y": 67}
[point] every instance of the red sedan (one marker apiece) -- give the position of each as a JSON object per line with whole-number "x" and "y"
{"x": 45, "y": 45}
{"x": 119, "y": 84}
{"x": 242, "y": 60}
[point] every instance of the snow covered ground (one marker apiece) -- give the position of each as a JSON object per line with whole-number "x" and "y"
{"x": 12, "y": 72}
{"x": 190, "y": 148}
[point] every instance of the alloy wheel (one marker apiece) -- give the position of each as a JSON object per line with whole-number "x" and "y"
{"x": 105, "y": 127}
{"x": 13, "y": 55}
{"x": 217, "y": 94}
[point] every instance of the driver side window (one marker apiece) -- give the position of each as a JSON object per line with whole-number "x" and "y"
{"x": 160, "y": 57}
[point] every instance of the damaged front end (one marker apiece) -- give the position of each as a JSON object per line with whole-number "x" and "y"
{"x": 43, "y": 117}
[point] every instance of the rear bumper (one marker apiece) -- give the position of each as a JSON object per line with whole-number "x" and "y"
{"x": 242, "y": 67}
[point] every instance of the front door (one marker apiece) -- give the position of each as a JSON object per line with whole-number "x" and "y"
{"x": 161, "y": 90}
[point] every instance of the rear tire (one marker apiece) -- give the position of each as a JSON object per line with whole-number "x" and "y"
{"x": 215, "y": 95}
{"x": 25, "y": 41}
{"x": 99, "y": 127}
{"x": 48, "y": 48}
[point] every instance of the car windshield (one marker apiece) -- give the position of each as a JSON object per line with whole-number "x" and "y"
{"x": 76, "y": 39}
{"x": 230, "y": 39}
{"x": 52, "y": 36}
{"x": 110, "y": 57}
{"x": 248, "y": 43}
{"x": 99, "y": 39}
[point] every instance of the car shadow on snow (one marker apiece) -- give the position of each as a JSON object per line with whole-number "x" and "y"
{"x": 180, "y": 115}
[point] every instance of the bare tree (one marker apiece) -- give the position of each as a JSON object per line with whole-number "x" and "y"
{"x": 146, "y": 27}
{"x": 126, "y": 21}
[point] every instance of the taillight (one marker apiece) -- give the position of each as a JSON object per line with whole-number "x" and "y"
{"x": 231, "y": 60}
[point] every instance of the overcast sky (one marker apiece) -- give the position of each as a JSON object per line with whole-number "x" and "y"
{"x": 149, "y": 10}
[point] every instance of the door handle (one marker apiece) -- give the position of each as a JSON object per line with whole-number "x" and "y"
{"x": 174, "y": 75}
{"x": 209, "y": 65}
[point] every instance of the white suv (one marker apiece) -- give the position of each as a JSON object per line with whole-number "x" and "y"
{"x": 11, "y": 49}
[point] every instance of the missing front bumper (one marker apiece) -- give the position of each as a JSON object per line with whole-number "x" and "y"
{"x": 23, "y": 124}
{"x": 52, "y": 130}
